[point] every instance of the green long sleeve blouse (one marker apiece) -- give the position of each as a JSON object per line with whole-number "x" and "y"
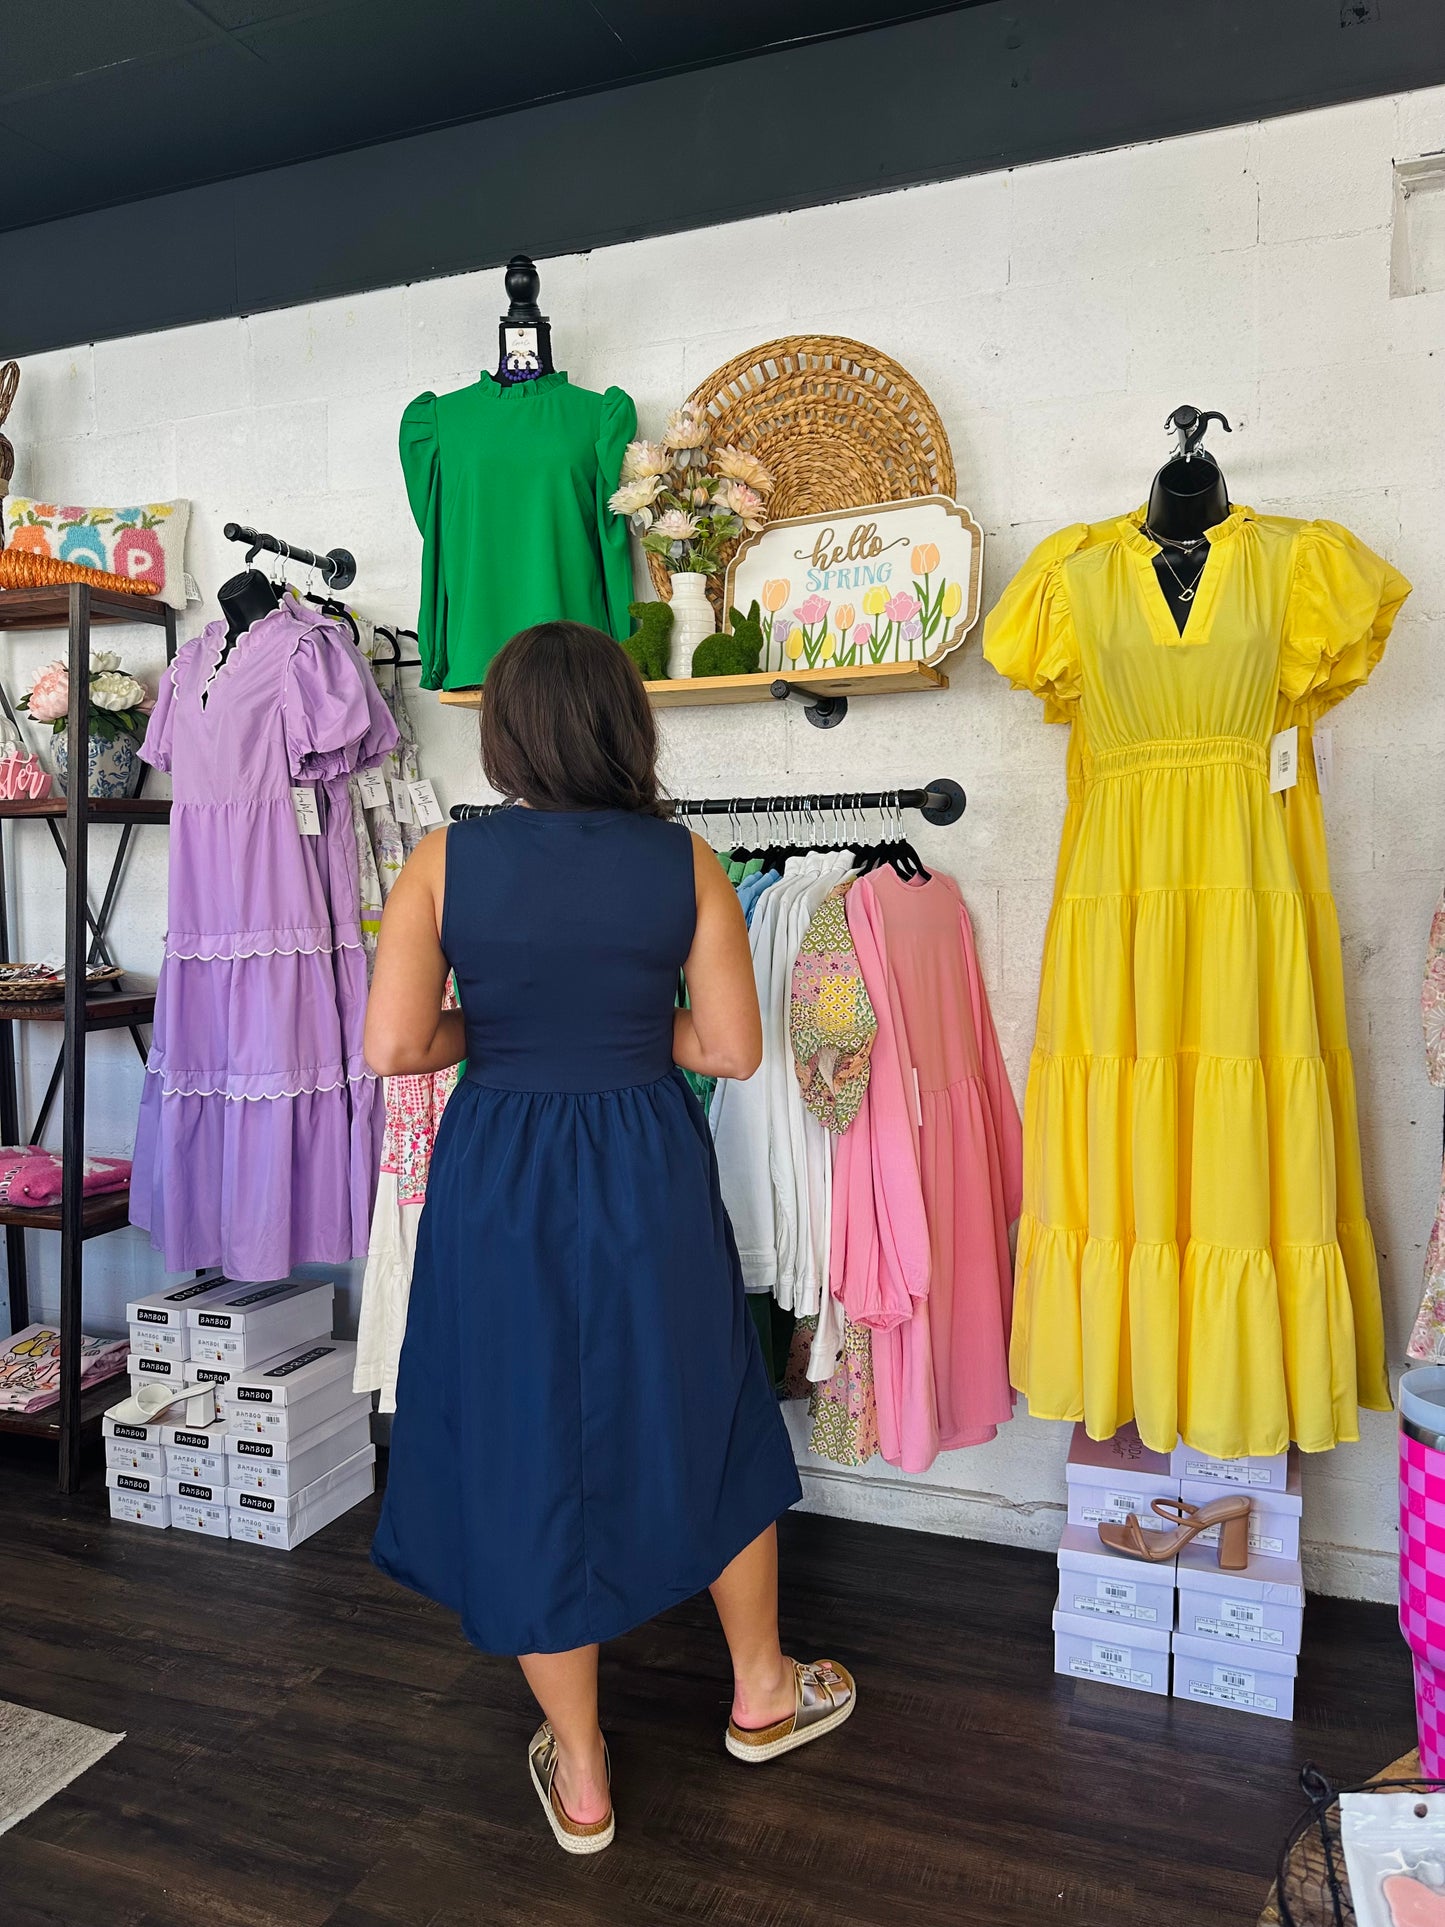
{"x": 509, "y": 487}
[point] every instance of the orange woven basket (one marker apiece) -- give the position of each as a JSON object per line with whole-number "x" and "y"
{"x": 23, "y": 569}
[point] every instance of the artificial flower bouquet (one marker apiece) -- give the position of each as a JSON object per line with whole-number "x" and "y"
{"x": 118, "y": 704}
{"x": 688, "y": 500}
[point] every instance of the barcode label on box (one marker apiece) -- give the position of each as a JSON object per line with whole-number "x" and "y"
{"x": 1106, "y": 1608}
{"x": 1226, "y": 1472}
{"x": 1120, "y": 1589}
{"x": 1247, "y": 1634}
{"x": 1112, "y": 1663}
{"x": 1232, "y": 1686}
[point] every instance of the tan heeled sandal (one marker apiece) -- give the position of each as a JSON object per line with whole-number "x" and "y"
{"x": 824, "y": 1695}
{"x": 572, "y": 1836}
{"x": 1231, "y": 1515}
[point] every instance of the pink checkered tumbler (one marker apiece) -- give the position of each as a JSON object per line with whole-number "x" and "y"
{"x": 1422, "y": 1556}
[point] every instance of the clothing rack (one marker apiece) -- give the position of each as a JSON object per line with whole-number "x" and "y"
{"x": 337, "y": 566}
{"x": 941, "y": 803}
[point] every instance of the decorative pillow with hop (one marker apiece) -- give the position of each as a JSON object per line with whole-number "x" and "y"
{"x": 146, "y": 544}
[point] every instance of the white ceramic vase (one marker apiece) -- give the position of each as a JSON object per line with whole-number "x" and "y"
{"x": 692, "y": 622}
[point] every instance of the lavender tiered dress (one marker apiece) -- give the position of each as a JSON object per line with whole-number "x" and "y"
{"x": 260, "y": 1126}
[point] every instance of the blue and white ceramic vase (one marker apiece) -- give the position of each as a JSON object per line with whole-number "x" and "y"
{"x": 111, "y": 763}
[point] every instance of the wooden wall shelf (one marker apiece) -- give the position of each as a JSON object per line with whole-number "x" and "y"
{"x": 871, "y": 679}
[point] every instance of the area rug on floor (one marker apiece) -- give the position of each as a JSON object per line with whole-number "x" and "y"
{"x": 39, "y": 1755}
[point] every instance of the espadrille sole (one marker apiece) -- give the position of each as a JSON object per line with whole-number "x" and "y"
{"x": 759, "y": 1752}
{"x": 566, "y": 1839}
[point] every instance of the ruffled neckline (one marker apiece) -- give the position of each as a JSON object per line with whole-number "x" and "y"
{"x": 1131, "y": 528}
{"x": 508, "y": 390}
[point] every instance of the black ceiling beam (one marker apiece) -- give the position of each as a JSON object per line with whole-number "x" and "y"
{"x": 957, "y": 93}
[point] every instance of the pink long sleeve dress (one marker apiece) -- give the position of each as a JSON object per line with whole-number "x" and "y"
{"x": 928, "y": 1178}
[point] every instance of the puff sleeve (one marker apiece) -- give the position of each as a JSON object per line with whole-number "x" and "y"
{"x": 421, "y": 467}
{"x": 619, "y": 425}
{"x": 1029, "y": 634}
{"x": 159, "y": 736}
{"x": 1343, "y": 600}
{"x": 333, "y": 713}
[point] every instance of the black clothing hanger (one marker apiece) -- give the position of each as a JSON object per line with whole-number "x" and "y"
{"x": 524, "y": 334}
{"x": 1187, "y": 497}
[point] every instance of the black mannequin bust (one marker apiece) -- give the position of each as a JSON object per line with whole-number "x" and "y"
{"x": 1187, "y": 497}
{"x": 524, "y": 335}
{"x": 244, "y": 600}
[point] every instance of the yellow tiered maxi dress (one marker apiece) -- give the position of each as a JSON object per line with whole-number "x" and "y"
{"x": 1189, "y": 1129}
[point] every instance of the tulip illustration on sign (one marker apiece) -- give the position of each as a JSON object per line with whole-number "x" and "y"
{"x": 813, "y": 615}
{"x": 775, "y": 593}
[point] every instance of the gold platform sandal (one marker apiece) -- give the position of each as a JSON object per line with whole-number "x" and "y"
{"x": 824, "y": 1696}
{"x": 572, "y": 1836}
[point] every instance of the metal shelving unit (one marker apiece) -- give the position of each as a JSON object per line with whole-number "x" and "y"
{"x": 77, "y": 608}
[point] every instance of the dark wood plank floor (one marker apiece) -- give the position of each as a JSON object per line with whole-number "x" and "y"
{"x": 310, "y": 1746}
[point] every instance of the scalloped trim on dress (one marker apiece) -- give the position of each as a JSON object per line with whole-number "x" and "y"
{"x": 280, "y": 950}
{"x": 264, "y": 1097}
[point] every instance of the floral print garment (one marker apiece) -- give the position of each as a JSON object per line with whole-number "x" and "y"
{"x": 1427, "y": 1340}
{"x": 831, "y": 1020}
{"x": 845, "y": 1414}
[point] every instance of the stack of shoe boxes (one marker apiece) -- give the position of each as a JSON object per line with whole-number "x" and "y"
{"x": 1237, "y": 1636}
{"x": 1115, "y": 1615}
{"x": 290, "y": 1448}
{"x": 1233, "y": 1637}
{"x": 298, "y": 1450}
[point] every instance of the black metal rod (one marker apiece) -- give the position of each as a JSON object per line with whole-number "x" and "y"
{"x": 337, "y": 566}
{"x": 72, "y": 1175}
{"x": 942, "y": 802}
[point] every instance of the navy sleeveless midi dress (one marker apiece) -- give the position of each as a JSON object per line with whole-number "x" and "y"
{"x": 585, "y": 1433}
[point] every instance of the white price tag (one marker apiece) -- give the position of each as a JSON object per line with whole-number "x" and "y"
{"x": 372, "y": 785}
{"x": 1284, "y": 759}
{"x": 401, "y": 807}
{"x": 1324, "y": 747}
{"x": 308, "y": 817}
{"x": 424, "y": 802}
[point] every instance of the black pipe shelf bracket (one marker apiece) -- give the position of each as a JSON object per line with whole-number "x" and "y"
{"x": 941, "y": 803}
{"x": 337, "y": 567}
{"x": 823, "y": 712}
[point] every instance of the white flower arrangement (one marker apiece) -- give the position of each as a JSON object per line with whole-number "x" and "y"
{"x": 688, "y": 501}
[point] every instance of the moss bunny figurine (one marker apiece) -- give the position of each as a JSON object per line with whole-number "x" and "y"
{"x": 733, "y": 652}
{"x": 648, "y": 643}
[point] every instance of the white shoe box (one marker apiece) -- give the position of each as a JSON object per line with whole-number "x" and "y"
{"x": 1268, "y": 1474}
{"x": 111, "y": 1428}
{"x": 159, "y": 1341}
{"x": 138, "y": 1496}
{"x": 253, "y": 1323}
{"x": 1136, "y": 1657}
{"x": 272, "y": 1519}
{"x": 1110, "y": 1478}
{"x": 140, "y": 1508}
{"x": 145, "y": 1370}
{"x": 1217, "y": 1673}
{"x": 1096, "y": 1584}
{"x": 1261, "y": 1606}
{"x": 1274, "y": 1514}
{"x": 294, "y": 1393}
{"x": 196, "y": 1452}
{"x": 221, "y": 1376}
{"x": 196, "y": 1515}
{"x": 284, "y": 1466}
{"x": 164, "y": 1309}
{"x": 200, "y": 1491}
{"x": 122, "y": 1455}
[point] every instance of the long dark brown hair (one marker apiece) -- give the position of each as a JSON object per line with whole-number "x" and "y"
{"x": 566, "y": 724}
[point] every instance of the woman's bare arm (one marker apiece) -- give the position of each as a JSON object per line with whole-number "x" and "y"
{"x": 406, "y": 1028}
{"x": 722, "y": 1034}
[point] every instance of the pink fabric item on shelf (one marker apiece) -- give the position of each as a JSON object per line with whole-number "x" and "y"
{"x": 929, "y": 1177}
{"x": 30, "y": 1366}
{"x": 32, "y": 1177}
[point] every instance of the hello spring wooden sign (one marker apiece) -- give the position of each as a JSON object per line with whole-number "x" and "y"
{"x": 893, "y": 582}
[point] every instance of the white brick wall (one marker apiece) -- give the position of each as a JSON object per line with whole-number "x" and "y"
{"x": 1055, "y": 314}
